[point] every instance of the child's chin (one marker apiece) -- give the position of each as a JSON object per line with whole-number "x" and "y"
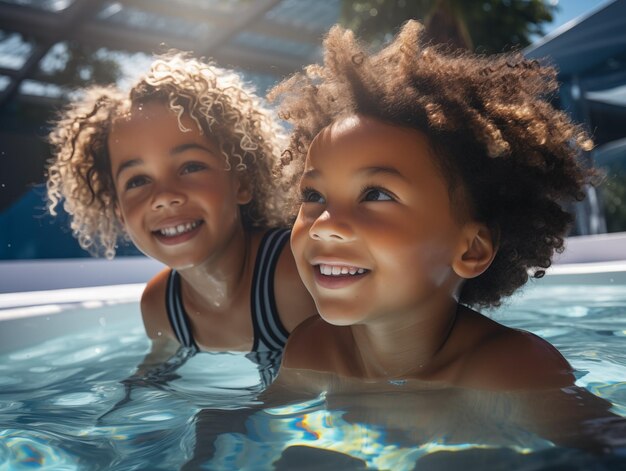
{"x": 182, "y": 263}
{"x": 339, "y": 318}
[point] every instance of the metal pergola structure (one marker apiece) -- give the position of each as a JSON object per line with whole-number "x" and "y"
{"x": 265, "y": 40}
{"x": 272, "y": 37}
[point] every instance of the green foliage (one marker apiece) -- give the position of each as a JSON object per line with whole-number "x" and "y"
{"x": 486, "y": 26}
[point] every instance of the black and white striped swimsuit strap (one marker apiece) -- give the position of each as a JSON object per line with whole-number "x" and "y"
{"x": 269, "y": 332}
{"x": 176, "y": 312}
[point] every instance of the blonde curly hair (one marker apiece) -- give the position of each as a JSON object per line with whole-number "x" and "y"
{"x": 216, "y": 99}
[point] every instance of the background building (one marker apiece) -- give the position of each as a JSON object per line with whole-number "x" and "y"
{"x": 590, "y": 54}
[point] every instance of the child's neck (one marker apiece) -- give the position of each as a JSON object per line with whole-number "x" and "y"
{"x": 219, "y": 282}
{"x": 408, "y": 348}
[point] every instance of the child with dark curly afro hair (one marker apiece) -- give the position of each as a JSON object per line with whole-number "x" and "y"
{"x": 432, "y": 183}
{"x": 186, "y": 165}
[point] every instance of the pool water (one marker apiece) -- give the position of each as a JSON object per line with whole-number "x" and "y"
{"x": 63, "y": 405}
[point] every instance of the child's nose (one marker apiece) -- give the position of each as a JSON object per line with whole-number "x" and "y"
{"x": 164, "y": 197}
{"x": 331, "y": 227}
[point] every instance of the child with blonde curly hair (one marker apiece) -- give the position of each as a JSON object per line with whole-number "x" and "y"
{"x": 186, "y": 166}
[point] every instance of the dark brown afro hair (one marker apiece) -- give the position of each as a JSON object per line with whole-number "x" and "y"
{"x": 509, "y": 157}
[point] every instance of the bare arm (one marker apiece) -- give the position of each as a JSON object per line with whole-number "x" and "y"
{"x": 165, "y": 355}
{"x": 537, "y": 384}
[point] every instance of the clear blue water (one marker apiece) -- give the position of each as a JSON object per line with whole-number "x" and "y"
{"x": 62, "y": 408}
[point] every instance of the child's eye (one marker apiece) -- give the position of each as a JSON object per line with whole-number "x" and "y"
{"x": 376, "y": 194}
{"x": 136, "y": 182}
{"x": 191, "y": 167}
{"x": 311, "y": 196}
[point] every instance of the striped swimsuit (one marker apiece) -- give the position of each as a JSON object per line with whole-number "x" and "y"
{"x": 270, "y": 336}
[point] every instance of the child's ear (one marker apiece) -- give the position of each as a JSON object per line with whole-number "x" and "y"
{"x": 477, "y": 250}
{"x": 244, "y": 190}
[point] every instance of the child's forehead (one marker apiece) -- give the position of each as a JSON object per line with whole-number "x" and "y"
{"x": 362, "y": 131}
{"x": 356, "y": 144}
{"x": 157, "y": 122}
{"x": 150, "y": 117}
{"x": 350, "y": 123}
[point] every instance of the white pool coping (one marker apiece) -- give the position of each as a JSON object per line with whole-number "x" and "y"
{"x": 118, "y": 293}
{"x": 49, "y": 302}
{"x": 588, "y": 268}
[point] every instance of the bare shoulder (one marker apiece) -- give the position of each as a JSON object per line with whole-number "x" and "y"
{"x": 293, "y": 301}
{"x": 302, "y": 343}
{"x": 310, "y": 345}
{"x": 510, "y": 358}
{"x": 153, "y": 310}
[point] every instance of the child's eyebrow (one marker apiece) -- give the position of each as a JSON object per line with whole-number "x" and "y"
{"x": 368, "y": 171}
{"x": 173, "y": 152}
{"x": 313, "y": 173}
{"x": 125, "y": 165}
{"x": 377, "y": 170}
{"x": 190, "y": 146}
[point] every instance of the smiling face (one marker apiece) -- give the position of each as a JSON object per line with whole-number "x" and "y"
{"x": 376, "y": 232}
{"x": 175, "y": 197}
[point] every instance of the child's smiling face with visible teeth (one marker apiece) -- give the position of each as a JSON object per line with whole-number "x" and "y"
{"x": 175, "y": 197}
{"x": 178, "y": 229}
{"x": 330, "y": 270}
{"x": 376, "y": 233}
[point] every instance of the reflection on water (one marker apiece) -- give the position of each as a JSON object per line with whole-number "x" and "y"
{"x": 61, "y": 405}
{"x": 376, "y": 446}
{"x": 34, "y": 450}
